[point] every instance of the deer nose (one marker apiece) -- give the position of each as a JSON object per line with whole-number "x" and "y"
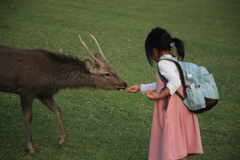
{"x": 125, "y": 85}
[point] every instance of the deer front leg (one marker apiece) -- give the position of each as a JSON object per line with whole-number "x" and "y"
{"x": 52, "y": 105}
{"x": 26, "y": 103}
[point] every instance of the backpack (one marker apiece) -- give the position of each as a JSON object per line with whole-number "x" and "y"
{"x": 200, "y": 88}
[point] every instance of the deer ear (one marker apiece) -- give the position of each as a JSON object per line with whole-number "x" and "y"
{"x": 98, "y": 57}
{"x": 90, "y": 66}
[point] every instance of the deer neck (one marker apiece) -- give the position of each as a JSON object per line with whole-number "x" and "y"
{"x": 73, "y": 76}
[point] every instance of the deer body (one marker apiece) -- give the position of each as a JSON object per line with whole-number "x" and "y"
{"x": 40, "y": 74}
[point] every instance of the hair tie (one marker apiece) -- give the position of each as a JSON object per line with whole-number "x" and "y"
{"x": 172, "y": 44}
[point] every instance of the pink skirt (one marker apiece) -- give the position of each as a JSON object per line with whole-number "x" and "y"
{"x": 175, "y": 130}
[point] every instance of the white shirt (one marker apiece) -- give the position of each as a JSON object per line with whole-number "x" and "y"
{"x": 170, "y": 71}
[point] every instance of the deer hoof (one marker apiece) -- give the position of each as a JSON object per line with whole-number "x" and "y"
{"x": 34, "y": 152}
{"x": 31, "y": 149}
{"x": 59, "y": 145}
{"x": 61, "y": 141}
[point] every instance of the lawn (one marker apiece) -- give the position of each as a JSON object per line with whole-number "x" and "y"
{"x": 112, "y": 125}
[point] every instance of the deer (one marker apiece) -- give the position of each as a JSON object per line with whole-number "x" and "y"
{"x": 40, "y": 74}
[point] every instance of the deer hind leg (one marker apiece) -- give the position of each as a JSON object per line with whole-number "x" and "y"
{"x": 26, "y": 103}
{"x": 52, "y": 105}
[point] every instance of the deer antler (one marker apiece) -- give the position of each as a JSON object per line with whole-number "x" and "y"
{"x": 85, "y": 46}
{"x": 99, "y": 48}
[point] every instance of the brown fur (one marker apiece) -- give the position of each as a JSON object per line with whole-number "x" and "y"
{"x": 40, "y": 74}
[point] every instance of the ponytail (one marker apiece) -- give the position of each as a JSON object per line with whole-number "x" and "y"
{"x": 179, "y": 46}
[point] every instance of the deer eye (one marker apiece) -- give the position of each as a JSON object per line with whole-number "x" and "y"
{"x": 108, "y": 75}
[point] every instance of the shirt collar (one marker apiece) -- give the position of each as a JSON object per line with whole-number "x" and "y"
{"x": 168, "y": 56}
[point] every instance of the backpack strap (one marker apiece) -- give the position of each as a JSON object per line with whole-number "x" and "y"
{"x": 164, "y": 80}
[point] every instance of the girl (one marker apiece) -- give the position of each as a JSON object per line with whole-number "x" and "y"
{"x": 175, "y": 130}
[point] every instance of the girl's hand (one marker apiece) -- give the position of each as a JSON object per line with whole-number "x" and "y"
{"x": 152, "y": 95}
{"x": 134, "y": 89}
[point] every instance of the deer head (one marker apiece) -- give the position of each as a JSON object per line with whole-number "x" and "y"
{"x": 104, "y": 75}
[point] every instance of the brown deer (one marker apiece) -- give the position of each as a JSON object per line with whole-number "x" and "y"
{"x": 40, "y": 74}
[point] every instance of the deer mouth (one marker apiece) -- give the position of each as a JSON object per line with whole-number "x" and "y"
{"x": 122, "y": 87}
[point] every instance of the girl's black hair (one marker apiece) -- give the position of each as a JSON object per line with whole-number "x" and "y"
{"x": 161, "y": 40}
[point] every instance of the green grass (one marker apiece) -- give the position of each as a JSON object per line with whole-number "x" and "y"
{"x": 111, "y": 125}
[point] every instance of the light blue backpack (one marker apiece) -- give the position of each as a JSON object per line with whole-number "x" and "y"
{"x": 200, "y": 88}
